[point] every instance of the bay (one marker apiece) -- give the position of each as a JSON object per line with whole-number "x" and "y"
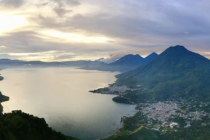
{"x": 62, "y": 97}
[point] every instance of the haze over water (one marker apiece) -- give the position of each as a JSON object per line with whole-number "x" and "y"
{"x": 60, "y": 95}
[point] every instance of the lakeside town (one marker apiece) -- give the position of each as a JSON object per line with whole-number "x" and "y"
{"x": 168, "y": 114}
{"x": 162, "y": 116}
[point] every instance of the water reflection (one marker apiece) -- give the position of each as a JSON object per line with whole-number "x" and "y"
{"x": 61, "y": 96}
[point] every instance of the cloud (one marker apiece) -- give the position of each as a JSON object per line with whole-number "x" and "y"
{"x": 107, "y": 60}
{"x": 63, "y": 57}
{"x": 63, "y": 6}
{"x": 12, "y": 3}
{"x": 61, "y": 11}
{"x": 158, "y": 27}
{"x": 31, "y": 43}
{"x": 126, "y": 26}
{"x": 61, "y": 3}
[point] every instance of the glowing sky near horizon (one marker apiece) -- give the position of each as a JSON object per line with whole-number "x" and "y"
{"x": 62, "y": 30}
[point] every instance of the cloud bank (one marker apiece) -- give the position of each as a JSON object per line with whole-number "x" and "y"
{"x": 90, "y": 29}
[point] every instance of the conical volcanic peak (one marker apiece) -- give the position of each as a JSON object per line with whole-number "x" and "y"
{"x": 172, "y": 60}
{"x": 150, "y": 57}
{"x": 129, "y": 60}
{"x": 176, "y": 50}
{"x": 178, "y": 47}
{"x": 152, "y": 54}
{"x": 179, "y": 55}
{"x": 176, "y": 72}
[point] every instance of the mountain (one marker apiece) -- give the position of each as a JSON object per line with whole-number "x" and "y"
{"x": 21, "y": 126}
{"x": 17, "y": 63}
{"x": 175, "y": 73}
{"x": 125, "y": 63}
{"x": 128, "y": 60}
{"x": 150, "y": 57}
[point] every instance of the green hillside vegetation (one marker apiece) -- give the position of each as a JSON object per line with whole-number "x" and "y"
{"x": 176, "y": 73}
{"x": 200, "y": 130}
{"x": 134, "y": 130}
{"x": 142, "y": 134}
{"x": 129, "y": 60}
{"x": 1, "y": 109}
{"x": 21, "y": 126}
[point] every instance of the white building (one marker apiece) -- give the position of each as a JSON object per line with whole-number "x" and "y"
{"x": 173, "y": 124}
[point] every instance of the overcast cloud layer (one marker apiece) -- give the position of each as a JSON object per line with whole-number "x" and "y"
{"x": 57, "y": 30}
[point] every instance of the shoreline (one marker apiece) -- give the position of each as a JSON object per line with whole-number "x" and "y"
{"x": 113, "y": 129}
{"x": 3, "y": 98}
{"x": 122, "y": 124}
{"x": 122, "y": 121}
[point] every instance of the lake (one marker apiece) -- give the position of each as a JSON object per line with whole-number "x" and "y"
{"x": 62, "y": 97}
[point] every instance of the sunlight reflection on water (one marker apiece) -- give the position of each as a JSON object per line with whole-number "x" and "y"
{"x": 61, "y": 96}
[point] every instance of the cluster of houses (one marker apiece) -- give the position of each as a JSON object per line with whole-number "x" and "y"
{"x": 162, "y": 113}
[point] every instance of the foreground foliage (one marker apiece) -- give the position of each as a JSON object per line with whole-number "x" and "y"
{"x": 134, "y": 130}
{"x": 21, "y": 126}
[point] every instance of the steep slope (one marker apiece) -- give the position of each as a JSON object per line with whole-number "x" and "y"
{"x": 128, "y": 60}
{"x": 175, "y": 73}
{"x": 21, "y": 126}
{"x": 150, "y": 57}
{"x": 126, "y": 63}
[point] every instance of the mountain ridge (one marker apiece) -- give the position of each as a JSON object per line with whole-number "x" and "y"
{"x": 177, "y": 72}
{"x": 129, "y": 59}
{"x": 150, "y": 57}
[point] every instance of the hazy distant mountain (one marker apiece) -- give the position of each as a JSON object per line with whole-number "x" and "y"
{"x": 177, "y": 72}
{"x": 128, "y": 60}
{"x": 150, "y": 57}
{"x": 17, "y": 63}
{"x": 125, "y": 63}
{"x": 10, "y": 62}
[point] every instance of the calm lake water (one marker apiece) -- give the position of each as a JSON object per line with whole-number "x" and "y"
{"x": 60, "y": 95}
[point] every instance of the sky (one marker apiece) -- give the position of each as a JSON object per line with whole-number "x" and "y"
{"x": 69, "y": 30}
